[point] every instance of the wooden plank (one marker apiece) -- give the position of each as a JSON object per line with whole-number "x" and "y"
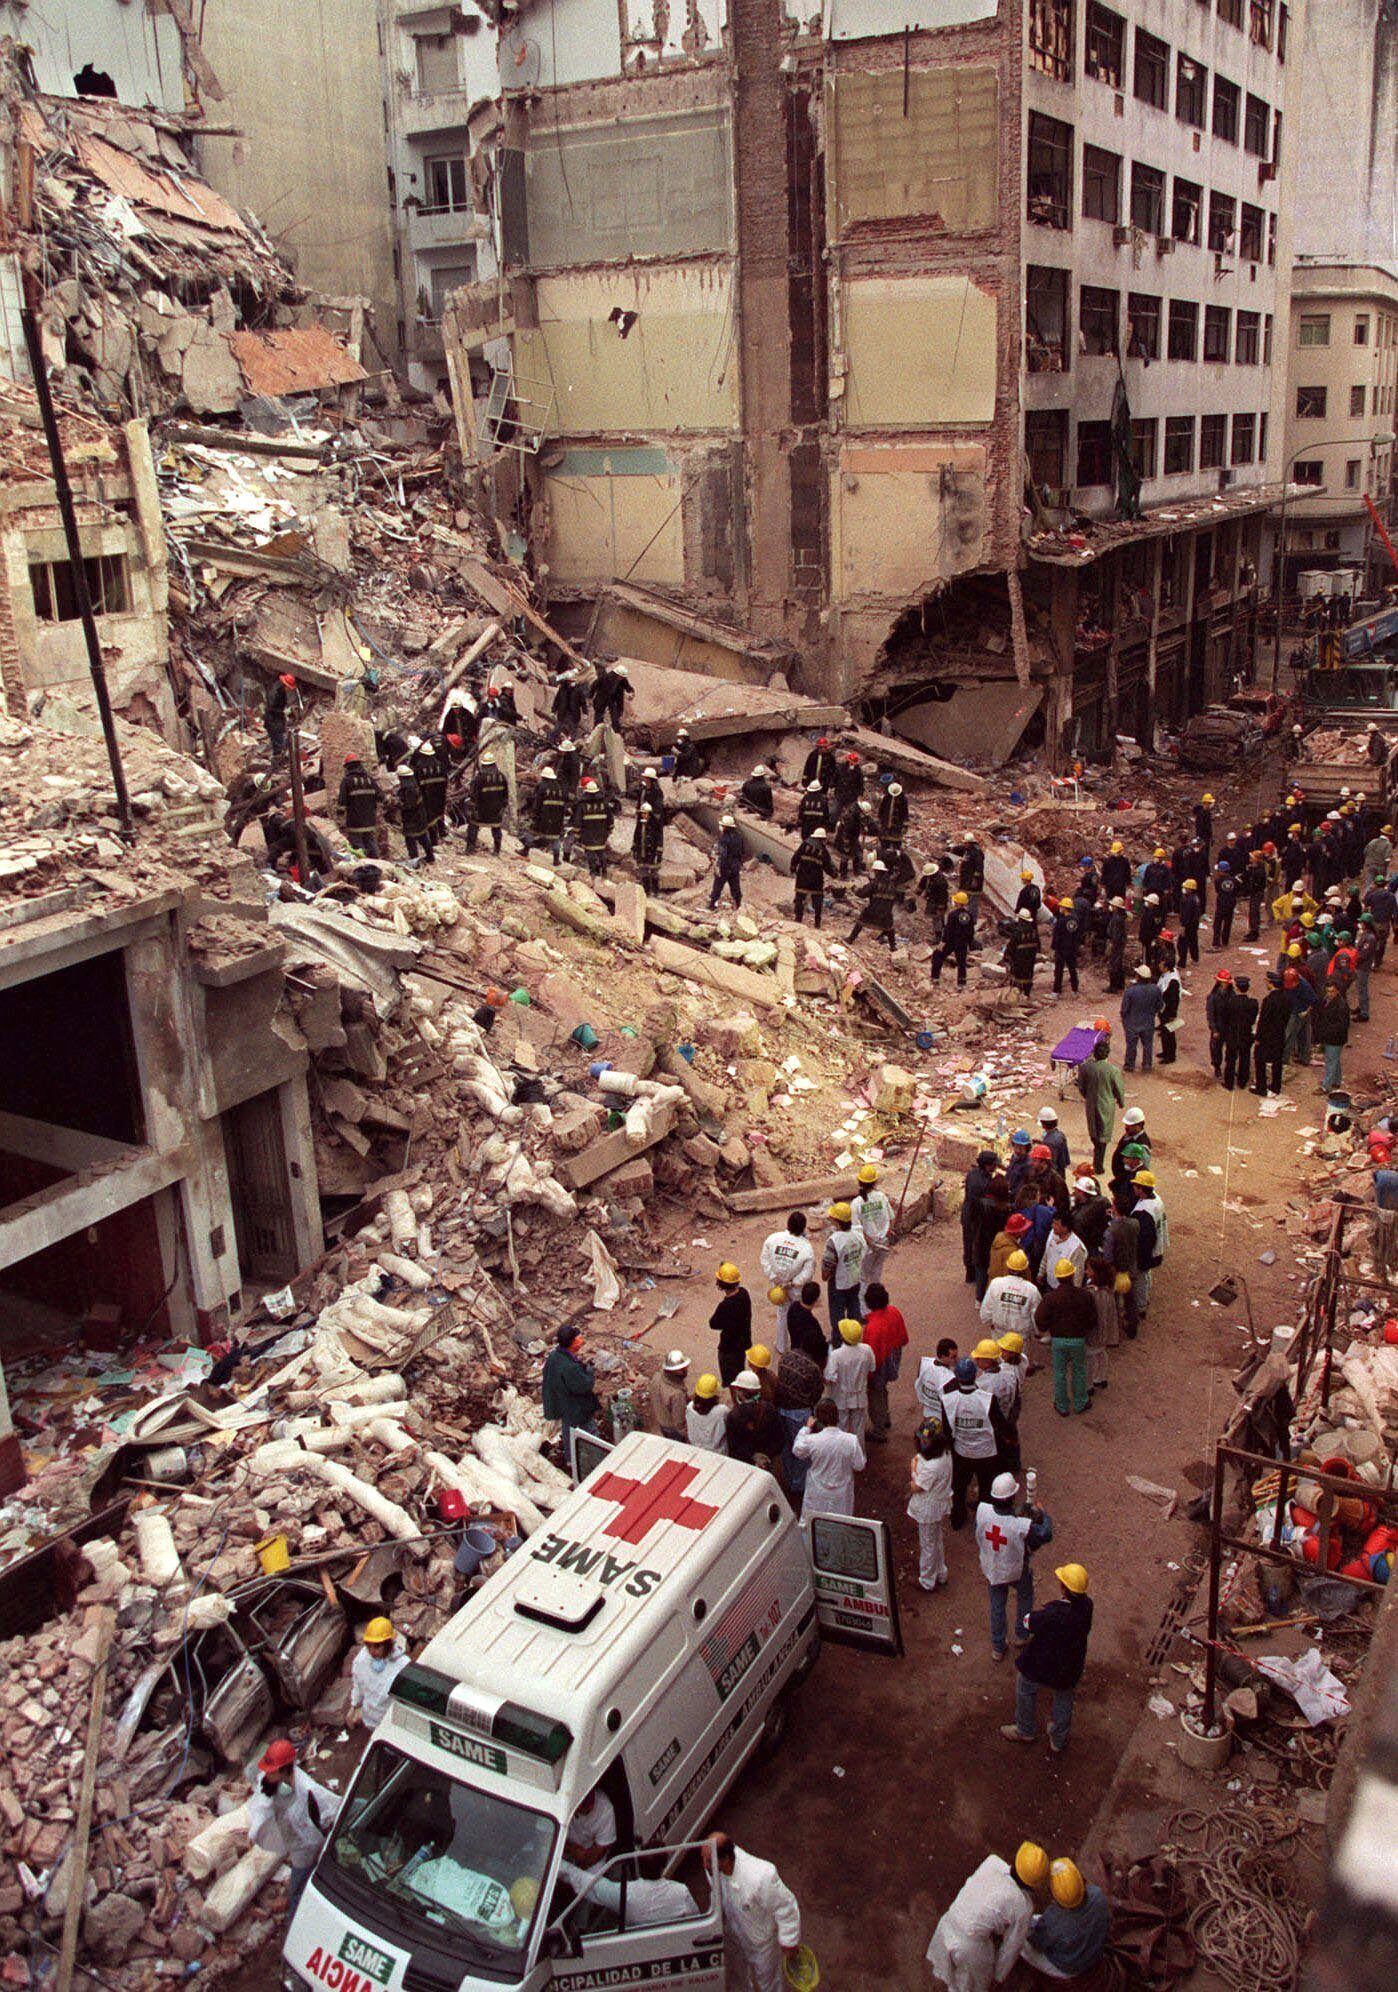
{"x": 731, "y": 978}
{"x": 792, "y": 1196}
{"x": 908, "y": 760}
{"x": 507, "y": 600}
{"x": 609, "y": 1152}
{"x": 105, "y": 1623}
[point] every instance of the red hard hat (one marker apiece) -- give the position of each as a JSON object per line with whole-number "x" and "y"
{"x": 451, "y": 1504}
{"x": 853, "y": 760}
{"x": 823, "y": 741}
{"x": 351, "y": 756}
{"x": 1224, "y": 975}
{"x": 278, "y": 1756}
{"x": 288, "y": 678}
{"x": 1038, "y": 1153}
{"x": 453, "y": 740}
{"x": 1017, "y": 1224}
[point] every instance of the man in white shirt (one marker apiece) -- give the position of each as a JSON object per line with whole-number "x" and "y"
{"x": 1062, "y": 1243}
{"x": 1010, "y": 1300}
{"x": 377, "y": 1665}
{"x": 760, "y": 1914}
{"x": 592, "y": 1831}
{"x": 787, "y": 1260}
{"x": 934, "y": 1375}
{"x": 290, "y": 1814}
{"x": 978, "y": 1942}
{"x": 847, "y": 1371}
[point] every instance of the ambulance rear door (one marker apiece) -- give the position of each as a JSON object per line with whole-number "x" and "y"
{"x": 852, "y": 1567}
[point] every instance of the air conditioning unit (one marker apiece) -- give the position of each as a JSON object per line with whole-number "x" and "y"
{"x": 1225, "y": 478}
{"x": 1121, "y": 236}
{"x": 1266, "y": 170}
{"x": 1164, "y": 245}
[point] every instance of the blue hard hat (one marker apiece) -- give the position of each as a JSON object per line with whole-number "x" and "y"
{"x": 965, "y": 1370}
{"x": 1084, "y": 861}
{"x": 1223, "y": 865}
{"x": 1019, "y": 1139}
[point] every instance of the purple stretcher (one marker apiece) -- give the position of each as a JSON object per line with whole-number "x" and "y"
{"x": 1076, "y": 1047}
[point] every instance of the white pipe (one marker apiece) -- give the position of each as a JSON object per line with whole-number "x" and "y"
{"x": 237, "y": 1890}
{"x": 215, "y": 1849}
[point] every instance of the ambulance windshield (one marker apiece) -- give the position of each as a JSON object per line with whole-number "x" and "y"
{"x": 471, "y": 1864}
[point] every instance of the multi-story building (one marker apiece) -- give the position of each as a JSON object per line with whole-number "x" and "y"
{"x": 1346, "y": 180}
{"x": 1340, "y": 423}
{"x": 800, "y": 308}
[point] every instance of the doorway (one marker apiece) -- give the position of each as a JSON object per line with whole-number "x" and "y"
{"x": 257, "y": 1181}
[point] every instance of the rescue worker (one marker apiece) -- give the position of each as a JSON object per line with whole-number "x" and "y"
{"x": 488, "y": 798}
{"x": 929, "y": 1501}
{"x": 611, "y": 688}
{"x": 1052, "y": 1137}
{"x": 840, "y": 1265}
{"x": 729, "y": 852}
{"x": 877, "y": 912}
{"x": 1330, "y": 1021}
{"x": 787, "y": 1260}
{"x": 592, "y": 826}
{"x": 359, "y": 807}
{"x": 1240, "y": 1026}
{"x": 848, "y": 1368}
{"x": 971, "y": 875}
{"x": 1204, "y": 825}
{"x": 1115, "y": 944}
{"x": 872, "y": 1214}
{"x": 1156, "y": 876}
{"x": 1366, "y": 951}
{"x": 893, "y": 813}
{"x": 1217, "y": 1007}
{"x": 1102, "y": 1089}
{"x": 934, "y": 890}
{"x": 1066, "y": 1940}
{"x": 290, "y": 1815}
{"x": 1011, "y": 1299}
{"x": 1052, "y": 1660}
{"x": 976, "y": 1424}
{"x": 851, "y": 826}
{"x": 706, "y": 1416}
{"x": 412, "y": 814}
{"x": 1191, "y": 914}
{"x": 849, "y": 781}
{"x": 756, "y": 793}
{"x": 754, "y": 1430}
{"x": 1030, "y": 898}
{"x": 1005, "y": 1543}
{"x": 956, "y": 941}
{"x": 274, "y": 713}
{"x": 648, "y": 846}
{"x": 1168, "y": 1016}
{"x": 1225, "y": 902}
{"x": 886, "y": 1336}
{"x": 974, "y": 1185}
{"x": 1269, "y": 1050}
{"x": 813, "y": 812}
{"x": 979, "y": 1939}
{"x": 810, "y": 868}
{"x": 569, "y": 698}
{"x": 1067, "y": 1314}
{"x": 651, "y": 791}
{"x": 1116, "y": 871}
{"x": 1154, "y": 1241}
{"x": 1022, "y": 951}
{"x": 832, "y": 1456}
{"x": 1065, "y": 940}
{"x": 568, "y": 761}
{"x": 1151, "y": 923}
{"x": 820, "y": 767}
{"x": 568, "y": 1388}
{"x": 433, "y": 769}
{"x": 1252, "y": 887}
{"x": 1140, "y": 1006}
{"x": 377, "y": 1665}
{"x": 669, "y": 1397}
{"x": 759, "y": 1910}
{"x": 550, "y": 812}
{"x": 731, "y": 1321}
{"x": 689, "y": 756}
{"x": 499, "y": 719}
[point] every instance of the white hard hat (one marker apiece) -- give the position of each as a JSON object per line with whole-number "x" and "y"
{"x": 649, "y": 775}
{"x": 725, "y": 822}
{"x": 812, "y": 788}
{"x": 895, "y": 788}
{"x": 746, "y": 1379}
{"x": 821, "y": 833}
{"x": 676, "y": 1360}
{"x": 1047, "y": 1117}
{"x": 1004, "y": 1487}
{"x": 878, "y": 865}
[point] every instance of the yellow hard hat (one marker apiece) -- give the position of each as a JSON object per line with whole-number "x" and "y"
{"x": 1122, "y": 1283}
{"x": 840, "y": 1212}
{"x": 1031, "y": 1864}
{"x": 1066, "y": 1884}
{"x": 986, "y": 1351}
{"x": 1011, "y": 1344}
{"x": 1027, "y": 876}
{"x": 1144, "y": 1179}
{"x": 1073, "y": 1578}
{"x": 524, "y": 1896}
{"x": 759, "y": 1356}
{"x": 852, "y": 1331}
{"x": 960, "y": 899}
{"x": 728, "y": 1274}
{"x": 1293, "y": 953}
{"x": 707, "y": 1386}
{"x": 1159, "y": 850}
{"x": 379, "y": 1631}
{"x": 1018, "y": 1262}
{"x": 1065, "y": 1269}
{"x": 1308, "y": 919}
{"x": 777, "y": 1296}
{"x": 868, "y": 1174}
{"x": 1116, "y": 847}
{"x": 1191, "y": 885}
{"x": 1206, "y": 797}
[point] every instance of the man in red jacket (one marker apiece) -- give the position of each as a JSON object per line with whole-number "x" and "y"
{"x": 886, "y": 1333}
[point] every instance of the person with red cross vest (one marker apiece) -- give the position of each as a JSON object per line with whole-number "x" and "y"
{"x": 1006, "y": 1541}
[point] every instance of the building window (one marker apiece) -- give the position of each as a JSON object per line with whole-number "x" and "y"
{"x": 1361, "y": 329}
{"x": 1188, "y": 206}
{"x": 1097, "y": 319}
{"x": 1228, "y": 100}
{"x": 444, "y": 278}
{"x": 1152, "y": 71}
{"x": 1142, "y": 327}
{"x": 1213, "y": 440}
{"x": 1261, "y": 13}
{"x": 1272, "y": 240}
{"x": 1267, "y": 340}
{"x": 1311, "y": 472}
{"x": 1046, "y": 320}
{"x": 1352, "y": 474}
{"x": 1051, "y": 38}
{"x": 1247, "y": 349}
{"x": 1184, "y": 330}
{"x": 1144, "y": 435}
{"x": 1223, "y": 220}
{"x": 1250, "y": 233}
{"x": 1217, "y": 328}
{"x": 1244, "y": 439}
{"x": 1356, "y": 401}
{"x": 1105, "y": 58}
{"x": 1256, "y": 125}
{"x": 1046, "y": 447}
{"x": 1191, "y": 91}
{"x": 1179, "y": 445}
{"x": 437, "y": 68}
{"x": 447, "y": 188}
{"x": 1231, "y": 11}
{"x": 1050, "y": 171}
{"x": 1101, "y": 184}
{"x": 1310, "y": 404}
{"x": 1262, "y": 438}
{"x": 1094, "y": 453}
{"x": 1147, "y": 199}
{"x": 55, "y": 599}
{"x": 1283, "y": 27}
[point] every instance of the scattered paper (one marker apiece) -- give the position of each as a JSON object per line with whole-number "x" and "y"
{"x": 1161, "y": 1706}
{"x": 1164, "y": 1497}
{"x": 601, "y": 1275}
{"x": 1319, "y": 1694}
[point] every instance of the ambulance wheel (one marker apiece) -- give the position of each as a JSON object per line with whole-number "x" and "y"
{"x": 775, "y": 1727}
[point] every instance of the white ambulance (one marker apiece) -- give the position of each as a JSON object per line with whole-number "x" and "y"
{"x": 639, "y": 1647}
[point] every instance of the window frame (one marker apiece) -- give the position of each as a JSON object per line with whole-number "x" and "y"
{"x": 1233, "y": 97}
{"x": 1301, "y": 473}
{"x": 1213, "y": 442}
{"x": 1311, "y": 403}
{"x": 1361, "y": 328}
{"x": 1195, "y": 110}
{"x": 1354, "y": 468}
{"x": 1190, "y": 236}
{"x": 1049, "y": 39}
{"x": 1312, "y": 319}
{"x": 1183, "y": 316}
{"x": 450, "y": 160}
{"x": 1106, "y": 30}
{"x": 1150, "y": 64}
{"x": 1091, "y": 156}
{"x": 1098, "y": 437}
{"x": 1176, "y": 427}
{"x": 1151, "y": 183}
{"x": 1056, "y": 137}
{"x": 1218, "y": 334}
{"x": 1143, "y": 308}
{"x": 1242, "y": 424}
{"x": 1253, "y": 104}
{"x": 1092, "y": 297}
{"x": 1222, "y": 233}
{"x": 1064, "y": 284}
{"x": 1037, "y": 423}
{"x": 1247, "y": 328}
{"x": 1252, "y": 232}
{"x": 1358, "y": 397}
{"x": 1145, "y": 446}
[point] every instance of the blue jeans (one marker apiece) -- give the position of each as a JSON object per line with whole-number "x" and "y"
{"x": 1361, "y": 988}
{"x": 1333, "y": 1076}
{"x": 1145, "y": 1040}
{"x": 793, "y": 1468}
{"x": 299, "y": 1877}
{"x": 999, "y": 1598}
{"x": 1027, "y": 1693}
{"x": 1069, "y": 1357}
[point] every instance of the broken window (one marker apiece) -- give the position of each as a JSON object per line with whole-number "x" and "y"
{"x": 1191, "y": 91}
{"x": 1228, "y": 101}
{"x": 1050, "y": 171}
{"x": 1179, "y": 445}
{"x": 1231, "y": 11}
{"x": 1356, "y": 401}
{"x": 1262, "y": 437}
{"x": 1244, "y": 439}
{"x": 1152, "y": 72}
{"x": 93, "y": 82}
{"x": 1283, "y": 27}
{"x": 1046, "y": 319}
{"x": 1310, "y": 404}
{"x": 55, "y": 599}
{"x": 1101, "y": 184}
{"x": 1105, "y": 57}
{"x": 1094, "y": 453}
{"x": 1218, "y": 327}
{"x": 1261, "y": 13}
{"x": 437, "y": 67}
{"x": 447, "y": 186}
{"x": 1188, "y": 207}
{"x": 1314, "y": 329}
{"x": 1256, "y": 126}
{"x": 1097, "y": 319}
{"x": 1213, "y": 440}
{"x": 1184, "y": 329}
{"x": 1147, "y": 199}
{"x": 1352, "y": 474}
{"x": 1267, "y": 340}
{"x": 1272, "y": 240}
{"x": 1142, "y": 327}
{"x": 1250, "y": 233}
{"x": 1046, "y": 447}
{"x": 1247, "y": 348}
{"x": 1361, "y": 329}
{"x": 444, "y": 278}
{"x": 1143, "y": 443}
{"x": 1311, "y": 472}
{"x": 1223, "y": 221}
{"x": 1051, "y": 38}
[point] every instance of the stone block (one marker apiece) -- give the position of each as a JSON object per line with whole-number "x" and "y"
{"x": 629, "y": 910}
{"x": 738, "y": 1036}
{"x": 702, "y": 1152}
{"x": 633, "y": 1179}
{"x": 894, "y": 1090}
